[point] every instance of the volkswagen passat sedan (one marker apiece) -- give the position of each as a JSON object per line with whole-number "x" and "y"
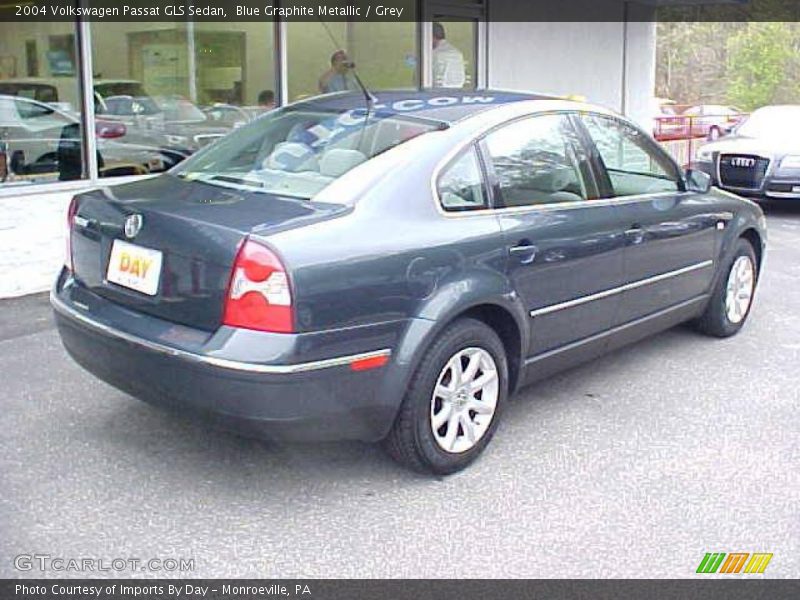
{"x": 396, "y": 272}
{"x": 761, "y": 158}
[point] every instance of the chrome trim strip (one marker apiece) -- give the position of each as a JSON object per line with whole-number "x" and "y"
{"x": 618, "y": 290}
{"x": 532, "y": 360}
{"x": 795, "y": 195}
{"x": 223, "y": 363}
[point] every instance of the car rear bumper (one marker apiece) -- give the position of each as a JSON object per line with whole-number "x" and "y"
{"x": 210, "y": 374}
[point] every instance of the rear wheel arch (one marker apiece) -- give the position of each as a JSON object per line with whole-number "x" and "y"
{"x": 422, "y": 333}
{"x": 498, "y": 317}
{"x": 508, "y": 330}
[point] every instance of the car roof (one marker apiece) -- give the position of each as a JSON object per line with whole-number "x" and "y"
{"x": 778, "y": 108}
{"x": 443, "y": 105}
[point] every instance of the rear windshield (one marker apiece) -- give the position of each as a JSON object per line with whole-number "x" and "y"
{"x": 298, "y": 151}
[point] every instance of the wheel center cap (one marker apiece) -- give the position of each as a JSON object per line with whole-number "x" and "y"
{"x": 460, "y": 398}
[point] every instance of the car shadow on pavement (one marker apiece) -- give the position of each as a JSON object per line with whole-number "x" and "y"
{"x": 199, "y": 448}
{"x": 173, "y": 445}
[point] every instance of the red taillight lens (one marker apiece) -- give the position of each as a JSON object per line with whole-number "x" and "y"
{"x": 259, "y": 296}
{"x": 110, "y": 130}
{"x": 71, "y": 212}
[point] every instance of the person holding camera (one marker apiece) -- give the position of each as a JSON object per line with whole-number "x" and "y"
{"x": 339, "y": 77}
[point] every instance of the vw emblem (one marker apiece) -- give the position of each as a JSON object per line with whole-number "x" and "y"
{"x": 133, "y": 224}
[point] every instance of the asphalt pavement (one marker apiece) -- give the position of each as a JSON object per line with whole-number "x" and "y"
{"x": 634, "y": 465}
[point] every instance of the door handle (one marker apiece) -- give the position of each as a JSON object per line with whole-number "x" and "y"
{"x": 635, "y": 234}
{"x": 524, "y": 250}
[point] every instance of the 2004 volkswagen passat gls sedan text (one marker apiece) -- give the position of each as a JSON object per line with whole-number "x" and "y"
{"x": 395, "y": 271}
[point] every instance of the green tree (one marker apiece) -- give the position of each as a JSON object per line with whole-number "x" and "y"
{"x": 761, "y": 58}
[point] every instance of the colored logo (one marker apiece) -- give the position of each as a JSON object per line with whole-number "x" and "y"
{"x": 735, "y": 562}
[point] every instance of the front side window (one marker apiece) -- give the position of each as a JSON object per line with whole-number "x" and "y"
{"x": 633, "y": 165}
{"x": 537, "y": 161}
{"x": 461, "y": 186}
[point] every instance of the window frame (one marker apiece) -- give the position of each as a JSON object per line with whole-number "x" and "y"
{"x": 442, "y": 171}
{"x": 602, "y": 177}
{"x": 589, "y": 179}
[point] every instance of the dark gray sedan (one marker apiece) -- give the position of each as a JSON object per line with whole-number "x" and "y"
{"x": 396, "y": 271}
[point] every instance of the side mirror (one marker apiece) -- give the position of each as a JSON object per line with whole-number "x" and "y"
{"x": 697, "y": 181}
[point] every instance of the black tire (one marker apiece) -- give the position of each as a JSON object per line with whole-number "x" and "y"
{"x": 411, "y": 441}
{"x": 714, "y": 321}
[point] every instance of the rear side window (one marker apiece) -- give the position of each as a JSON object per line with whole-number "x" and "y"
{"x": 633, "y": 165}
{"x": 461, "y": 185}
{"x": 537, "y": 161}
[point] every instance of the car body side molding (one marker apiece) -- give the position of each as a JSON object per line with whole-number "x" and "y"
{"x": 618, "y": 290}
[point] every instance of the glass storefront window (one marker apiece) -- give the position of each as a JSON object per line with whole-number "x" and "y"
{"x": 40, "y": 127}
{"x": 165, "y": 90}
{"x": 321, "y": 57}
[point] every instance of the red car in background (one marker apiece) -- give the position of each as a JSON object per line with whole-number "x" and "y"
{"x": 667, "y": 123}
{"x": 711, "y": 121}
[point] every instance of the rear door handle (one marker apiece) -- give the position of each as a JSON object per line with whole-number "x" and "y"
{"x": 525, "y": 251}
{"x": 635, "y": 234}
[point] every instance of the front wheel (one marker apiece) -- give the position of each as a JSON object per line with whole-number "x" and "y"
{"x": 732, "y": 298}
{"x": 453, "y": 403}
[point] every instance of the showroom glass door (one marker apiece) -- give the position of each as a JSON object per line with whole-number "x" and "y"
{"x": 453, "y": 45}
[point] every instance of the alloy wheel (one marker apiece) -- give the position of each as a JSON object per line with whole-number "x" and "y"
{"x": 739, "y": 290}
{"x": 464, "y": 400}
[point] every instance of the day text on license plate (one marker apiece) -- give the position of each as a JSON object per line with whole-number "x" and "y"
{"x": 134, "y": 267}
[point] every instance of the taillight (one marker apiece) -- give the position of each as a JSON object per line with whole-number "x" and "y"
{"x": 71, "y": 212}
{"x": 110, "y": 130}
{"x": 259, "y": 296}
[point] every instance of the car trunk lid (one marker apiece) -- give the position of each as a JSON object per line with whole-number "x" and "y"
{"x": 188, "y": 231}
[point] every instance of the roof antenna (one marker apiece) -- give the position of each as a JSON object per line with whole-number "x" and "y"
{"x": 368, "y": 97}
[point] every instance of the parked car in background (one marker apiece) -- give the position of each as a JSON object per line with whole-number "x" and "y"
{"x": 186, "y": 126}
{"x": 711, "y": 121}
{"x": 667, "y": 123}
{"x": 42, "y": 142}
{"x": 331, "y": 272}
{"x": 172, "y": 126}
{"x": 232, "y": 116}
{"x": 761, "y": 157}
{"x": 39, "y": 89}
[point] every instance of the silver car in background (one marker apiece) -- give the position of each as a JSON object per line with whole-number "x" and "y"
{"x": 762, "y": 156}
